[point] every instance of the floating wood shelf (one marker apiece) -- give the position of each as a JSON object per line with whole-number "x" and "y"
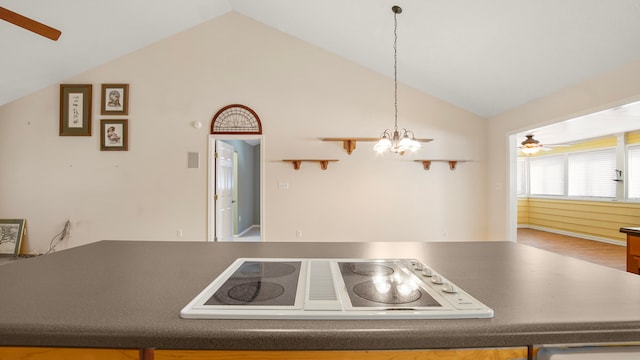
{"x": 349, "y": 144}
{"x": 297, "y": 162}
{"x": 452, "y": 163}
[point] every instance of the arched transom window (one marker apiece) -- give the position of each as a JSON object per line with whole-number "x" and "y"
{"x": 236, "y": 119}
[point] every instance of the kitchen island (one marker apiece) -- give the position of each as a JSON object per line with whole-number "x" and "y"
{"x": 128, "y": 295}
{"x": 633, "y": 248}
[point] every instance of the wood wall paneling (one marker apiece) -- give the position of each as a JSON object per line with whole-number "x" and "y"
{"x": 591, "y": 218}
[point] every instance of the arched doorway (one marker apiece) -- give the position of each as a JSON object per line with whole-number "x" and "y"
{"x": 235, "y": 175}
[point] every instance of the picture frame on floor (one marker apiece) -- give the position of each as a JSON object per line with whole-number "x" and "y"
{"x": 75, "y": 109}
{"x": 11, "y": 233}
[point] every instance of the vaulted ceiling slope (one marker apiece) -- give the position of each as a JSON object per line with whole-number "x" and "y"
{"x": 486, "y": 56}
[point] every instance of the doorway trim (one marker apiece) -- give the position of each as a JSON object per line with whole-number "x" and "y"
{"x": 211, "y": 180}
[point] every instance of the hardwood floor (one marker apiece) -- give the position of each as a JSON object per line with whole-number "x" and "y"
{"x": 593, "y": 251}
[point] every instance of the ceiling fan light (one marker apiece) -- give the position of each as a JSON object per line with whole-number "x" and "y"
{"x": 530, "y": 150}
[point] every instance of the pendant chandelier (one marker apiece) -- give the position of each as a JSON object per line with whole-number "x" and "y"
{"x": 396, "y": 141}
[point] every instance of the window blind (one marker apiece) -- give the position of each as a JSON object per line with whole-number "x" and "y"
{"x": 591, "y": 173}
{"x": 546, "y": 175}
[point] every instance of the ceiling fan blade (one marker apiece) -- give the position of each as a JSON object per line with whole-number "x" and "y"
{"x": 29, "y": 24}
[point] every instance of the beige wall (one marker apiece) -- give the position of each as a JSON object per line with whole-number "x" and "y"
{"x": 300, "y": 92}
{"x": 616, "y": 87}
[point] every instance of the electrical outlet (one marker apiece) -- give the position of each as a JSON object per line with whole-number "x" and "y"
{"x": 179, "y": 233}
{"x": 298, "y": 233}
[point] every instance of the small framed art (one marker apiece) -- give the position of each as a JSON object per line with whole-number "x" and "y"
{"x": 114, "y": 99}
{"x": 75, "y": 109}
{"x": 114, "y": 135}
{"x": 11, "y": 231}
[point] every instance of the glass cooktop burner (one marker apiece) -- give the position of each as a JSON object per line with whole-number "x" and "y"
{"x": 255, "y": 291}
{"x": 266, "y": 269}
{"x": 370, "y": 269}
{"x": 386, "y": 293}
{"x": 259, "y": 283}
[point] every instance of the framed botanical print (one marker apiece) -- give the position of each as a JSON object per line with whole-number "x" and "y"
{"x": 114, "y": 99}
{"x": 75, "y": 110}
{"x": 114, "y": 135}
{"x": 11, "y": 231}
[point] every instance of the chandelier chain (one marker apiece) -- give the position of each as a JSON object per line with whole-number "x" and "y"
{"x": 395, "y": 66}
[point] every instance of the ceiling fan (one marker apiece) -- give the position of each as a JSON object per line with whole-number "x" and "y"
{"x": 29, "y": 24}
{"x": 531, "y": 146}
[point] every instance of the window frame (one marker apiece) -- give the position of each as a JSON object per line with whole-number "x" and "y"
{"x": 626, "y": 173}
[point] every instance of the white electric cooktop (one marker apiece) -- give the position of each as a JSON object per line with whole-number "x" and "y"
{"x": 303, "y": 288}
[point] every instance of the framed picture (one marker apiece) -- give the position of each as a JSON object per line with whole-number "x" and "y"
{"x": 11, "y": 231}
{"x": 75, "y": 110}
{"x": 114, "y": 135}
{"x": 114, "y": 99}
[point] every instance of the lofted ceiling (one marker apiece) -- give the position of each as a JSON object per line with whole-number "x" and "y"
{"x": 486, "y": 56}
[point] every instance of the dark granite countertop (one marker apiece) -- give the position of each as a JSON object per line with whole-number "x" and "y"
{"x": 128, "y": 294}
{"x": 631, "y": 230}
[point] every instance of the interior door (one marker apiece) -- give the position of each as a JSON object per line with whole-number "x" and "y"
{"x": 224, "y": 191}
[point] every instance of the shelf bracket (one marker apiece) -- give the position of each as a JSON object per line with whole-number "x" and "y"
{"x": 426, "y": 164}
{"x": 349, "y": 145}
{"x": 324, "y": 164}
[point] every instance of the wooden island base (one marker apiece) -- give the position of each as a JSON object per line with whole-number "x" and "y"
{"x": 150, "y": 354}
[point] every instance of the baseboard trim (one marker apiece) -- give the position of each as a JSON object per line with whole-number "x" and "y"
{"x": 577, "y": 235}
{"x": 247, "y": 230}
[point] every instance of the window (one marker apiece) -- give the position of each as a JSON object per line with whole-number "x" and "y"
{"x": 521, "y": 186}
{"x": 633, "y": 189}
{"x": 546, "y": 175}
{"x": 600, "y": 173}
{"x": 591, "y": 173}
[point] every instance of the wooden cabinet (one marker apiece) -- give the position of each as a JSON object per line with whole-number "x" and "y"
{"x": 33, "y": 353}
{"x": 452, "y": 354}
{"x": 633, "y": 253}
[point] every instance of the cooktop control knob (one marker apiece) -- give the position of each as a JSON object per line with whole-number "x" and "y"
{"x": 449, "y": 288}
{"x": 418, "y": 266}
{"x": 427, "y": 272}
{"x": 436, "y": 279}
